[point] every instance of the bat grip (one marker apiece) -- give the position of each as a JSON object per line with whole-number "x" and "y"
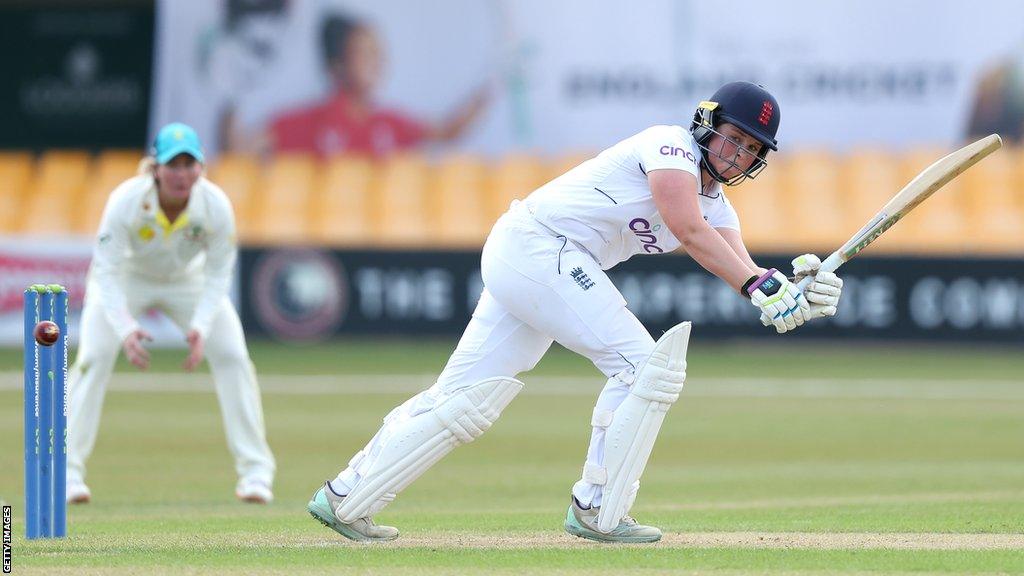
{"x": 831, "y": 264}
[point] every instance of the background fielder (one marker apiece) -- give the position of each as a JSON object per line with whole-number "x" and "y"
{"x": 167, "y": 241}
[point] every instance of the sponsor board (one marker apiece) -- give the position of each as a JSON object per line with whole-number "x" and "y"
{"x": 85, "y": 80}
{"x": 424, "y": 292}
{"x": 24, "y": 262}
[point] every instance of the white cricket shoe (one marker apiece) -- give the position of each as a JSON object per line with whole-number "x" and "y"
{"x": 254, "y": 491}
{"x": 76, "y": 492}
{"x": 582, "y": 522}
{"x": 324, "y": 506}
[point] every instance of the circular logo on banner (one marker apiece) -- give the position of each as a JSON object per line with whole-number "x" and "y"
{"x": 299, "y": 294}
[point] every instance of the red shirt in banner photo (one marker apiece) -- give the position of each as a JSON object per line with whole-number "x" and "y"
{"x": 336, "y": 126}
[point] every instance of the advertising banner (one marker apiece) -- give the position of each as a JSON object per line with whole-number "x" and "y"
{"x": 309, "y": 295}
{"x": 24, "y": 262}
{"x": 76, "y": 75}
{"x": 497, "y": 75}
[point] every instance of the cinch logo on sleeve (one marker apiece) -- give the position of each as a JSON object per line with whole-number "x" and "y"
{"x": 642, "y": 229}
{"x": 677, "y": 151}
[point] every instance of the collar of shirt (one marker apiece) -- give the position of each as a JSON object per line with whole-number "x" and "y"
{"x": 152, "y": 213}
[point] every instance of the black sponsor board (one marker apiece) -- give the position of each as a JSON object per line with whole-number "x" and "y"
{"x": 77, "y": 74}
{"x": 310, "y": 294}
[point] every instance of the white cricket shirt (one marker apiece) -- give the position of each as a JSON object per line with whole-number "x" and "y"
{"x": 135, "y": 238}
{"x": 605, "y": 203}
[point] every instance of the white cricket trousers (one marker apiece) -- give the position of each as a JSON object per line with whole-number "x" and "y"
{"x": 225, "y": 350}
{"x": 539, "y": 288}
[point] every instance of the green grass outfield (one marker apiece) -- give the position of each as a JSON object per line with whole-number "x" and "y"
{"x": 866, "y": 459}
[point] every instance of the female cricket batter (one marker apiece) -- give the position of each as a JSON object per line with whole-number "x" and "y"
{"x": 167, "y": 240}
{"x": 543, "y": 270}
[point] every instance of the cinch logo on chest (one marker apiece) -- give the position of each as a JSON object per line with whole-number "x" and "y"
{"x": 642, "y": 229}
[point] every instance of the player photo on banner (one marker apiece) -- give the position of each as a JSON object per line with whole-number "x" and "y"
{"x": 326, "y": 77}
{"x": 336, "y": 76}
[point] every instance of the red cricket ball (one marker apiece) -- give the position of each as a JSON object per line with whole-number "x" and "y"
{"x": 46, "y": 333}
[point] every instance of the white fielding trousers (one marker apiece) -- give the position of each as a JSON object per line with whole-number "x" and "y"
{"x": 539, "y": 288}
{"x": 225, "y": 350}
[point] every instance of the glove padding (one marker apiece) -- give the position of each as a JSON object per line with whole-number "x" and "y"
{"x": 825, "y": 289}
{"x": 822, "y": 293}
{"x": 780, "y": 301}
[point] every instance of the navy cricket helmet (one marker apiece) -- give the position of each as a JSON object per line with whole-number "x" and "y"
{"x": 750, "y": 108}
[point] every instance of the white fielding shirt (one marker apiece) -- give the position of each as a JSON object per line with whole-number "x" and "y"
{"x": 605, "y": 205}
{"x": 135, "y": 239}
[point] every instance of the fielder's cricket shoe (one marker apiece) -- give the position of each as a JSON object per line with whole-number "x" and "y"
{"x": 76, "y": 492}
{"x": 254, "y": 491}
{"x": 582, "y": 522}
{"x": 324, "y": 506}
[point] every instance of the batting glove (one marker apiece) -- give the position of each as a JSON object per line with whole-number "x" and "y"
{"x": 825, "y": 289}
{"x": 780, "y": 301}
{"x": 822, "y": 293}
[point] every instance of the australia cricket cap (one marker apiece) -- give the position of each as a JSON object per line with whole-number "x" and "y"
{"x": 176, "y": 138}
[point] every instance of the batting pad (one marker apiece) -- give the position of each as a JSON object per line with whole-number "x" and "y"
{"x": 636, "y": 422}
{"x": 419, "y": 442}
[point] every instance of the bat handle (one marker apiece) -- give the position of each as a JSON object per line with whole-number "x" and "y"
{"x": 831, "y": 264}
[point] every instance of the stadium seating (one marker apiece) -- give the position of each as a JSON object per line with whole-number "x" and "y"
{"x": 938, "y": 226}
{"x": 812, "y": 202}
{"x": 759, "y": 202}
{"x": 402, "y": 208}
{"x": 867, "y": 180}
{"x": 16, "y": 170}
{"x": 238, "y": 175}
{"x": 342, "y": 209}
{"x": 806, "y": 201}
{"x": 994, "y": 208}
{"x": 54, "y": 196}
{"x": 460, "y": 214}
{"x": 111, "y": 168}
{"x": 513, "y": 178}
{"x": 281, "y": 206}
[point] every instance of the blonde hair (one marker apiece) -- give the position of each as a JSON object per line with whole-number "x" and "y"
{"x": 147, "y": 166}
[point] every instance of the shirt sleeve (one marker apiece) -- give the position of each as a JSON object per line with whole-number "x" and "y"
{"x": 221, "y": 253}
{"x": 110, "y": 254}
{"x": 294, "y": 131}
{"x": 723, "y": 215}
{"x": 667, "y": 147}
{"x": 408, "y": 131}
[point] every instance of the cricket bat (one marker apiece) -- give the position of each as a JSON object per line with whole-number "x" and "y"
{"x": 918, "y": 190}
